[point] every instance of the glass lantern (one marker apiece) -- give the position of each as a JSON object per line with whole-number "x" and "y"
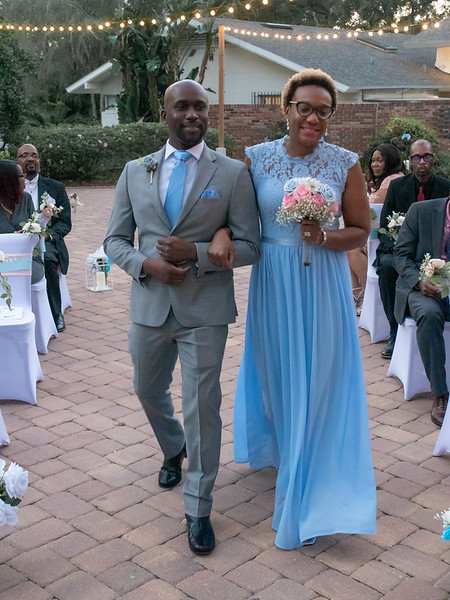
{"x": 98, "y": 272}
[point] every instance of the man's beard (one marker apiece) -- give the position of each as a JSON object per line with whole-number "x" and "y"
{"x": 31, "y": 173}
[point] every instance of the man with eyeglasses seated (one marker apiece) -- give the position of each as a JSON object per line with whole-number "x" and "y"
{"x": 419, "y": 185}
{"x": 56, "y": 254}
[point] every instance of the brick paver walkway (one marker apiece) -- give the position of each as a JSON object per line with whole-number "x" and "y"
{"x": 94, "y": 524}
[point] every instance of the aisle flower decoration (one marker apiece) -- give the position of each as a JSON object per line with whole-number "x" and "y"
{"x": 307, "y": 198}
{"x": 7, "y": 292}
{"x": 13, "y": 485}
{"x": 34, "y": 226}
{"x": 75, "y": 202}
{"x": 436, "y": 271}
{"x": 444, "y": 516}
{"x": 395, "y": 221}
{"x": 48, "y": 202}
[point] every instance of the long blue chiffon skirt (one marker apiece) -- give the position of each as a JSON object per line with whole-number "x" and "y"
{"x": 300, "y": 400}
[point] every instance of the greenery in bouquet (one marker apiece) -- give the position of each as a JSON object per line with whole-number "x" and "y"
{"x": 7, "y": 292}
{"x": 436, "y": 271}
{"x": 307, "y": 198}
{"x": 395, "y": 221}
{"x": 444, "y": 516}
{"x": 13, "y": 485}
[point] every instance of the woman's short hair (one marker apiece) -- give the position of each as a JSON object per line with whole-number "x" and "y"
{"x": 393, "y": 162}
{"x": 309, "y": 77}
{"x": 10, "y": 192}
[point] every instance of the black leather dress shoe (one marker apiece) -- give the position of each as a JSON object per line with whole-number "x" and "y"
{"x": 60, "y": 323}
{"x": 200, "y": 535}
{"x": 389, "y": 348}
{"x": 438, "y": 409}
{"x": 170, "y": 473}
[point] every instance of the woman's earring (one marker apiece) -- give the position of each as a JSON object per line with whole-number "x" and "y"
{"x": 287, "y": 125}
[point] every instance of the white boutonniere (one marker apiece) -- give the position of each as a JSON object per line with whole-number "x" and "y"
{"x": 150, "y": 164}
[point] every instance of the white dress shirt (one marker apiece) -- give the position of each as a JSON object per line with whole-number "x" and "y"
{"x": 191, "y": 170}
{"x": 32, "y": 188}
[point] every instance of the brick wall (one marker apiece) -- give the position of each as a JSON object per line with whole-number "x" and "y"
{"x": 353, "y": 125}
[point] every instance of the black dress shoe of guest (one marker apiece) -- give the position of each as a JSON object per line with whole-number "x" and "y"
{"x": 438, "y": 409}
{"x": 170, "y": 473}
{"x": 60, "y": 323}
{"x": 200, "y": 534}
{"x": 389, "y": 348}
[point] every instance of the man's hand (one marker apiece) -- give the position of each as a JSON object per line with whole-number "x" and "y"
{"x": 429, "y": 289}
{"x": 164, "y": 271}
{"x": 175, "y": 250}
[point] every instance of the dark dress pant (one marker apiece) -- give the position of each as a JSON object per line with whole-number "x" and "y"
{"x": 430, "y": 315}
{"x": 387, "y": 278}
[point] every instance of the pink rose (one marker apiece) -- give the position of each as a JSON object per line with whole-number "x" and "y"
{"x": 301, "y": 192}
{"x": 288, "y": 201}
{"x": 334, "y": 207}
{"x": 318, "y": 199}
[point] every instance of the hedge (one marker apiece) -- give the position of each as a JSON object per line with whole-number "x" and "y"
{"x": 84, "y": 154}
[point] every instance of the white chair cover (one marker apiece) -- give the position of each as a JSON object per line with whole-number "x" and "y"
{"x": 406, "y": 362}
{"x": 19, "y": 367}
{"x": 4, "y": 438}
{"x": 373, "y": 318}
{"x": 66, "y": 301}
{"x": 443, "y": 441}
{"x": 45, "y": 324}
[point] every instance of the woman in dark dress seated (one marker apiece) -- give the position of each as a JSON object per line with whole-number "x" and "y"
{"x": 16, "y": 207}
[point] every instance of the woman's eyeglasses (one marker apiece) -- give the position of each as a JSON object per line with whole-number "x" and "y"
{"x": 305, "y": 109}
{"x": 427, "y": 157}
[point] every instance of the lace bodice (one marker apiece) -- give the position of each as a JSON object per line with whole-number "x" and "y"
{"x": 272, "y": 167}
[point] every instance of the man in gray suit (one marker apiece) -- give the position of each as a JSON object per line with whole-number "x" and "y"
{"x": 181, "y": 303}
{"x": 426, "y": 229}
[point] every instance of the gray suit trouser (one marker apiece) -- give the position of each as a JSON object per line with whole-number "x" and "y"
{"x": 154, "y": 351}
{"x": 430, "y": 315}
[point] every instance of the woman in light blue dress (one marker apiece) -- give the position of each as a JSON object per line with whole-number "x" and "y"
{"x": 300, "y": 400}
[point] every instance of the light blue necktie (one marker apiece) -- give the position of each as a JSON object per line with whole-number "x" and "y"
{"x": 174, "y": 196}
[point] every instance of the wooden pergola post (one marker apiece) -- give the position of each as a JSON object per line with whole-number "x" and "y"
{"x": 221, "y": 89}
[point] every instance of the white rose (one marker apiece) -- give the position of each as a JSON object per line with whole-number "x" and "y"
{"x": 2, "y": 256}
{"x": 437, "y": 263}
{"x": 429, "y": 271}
{"x": 26, "y": 227}
{"x": 8, "y": 514}
{"x": 400, "y": 220}
{"x": 35, "y": 228}
{"x": 16, "y": 481}
{"x": 392, "y": 223}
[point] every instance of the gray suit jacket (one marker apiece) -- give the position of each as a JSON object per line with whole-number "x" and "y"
{"x": 222, "y": 194}
{"x": 421, "y": 232}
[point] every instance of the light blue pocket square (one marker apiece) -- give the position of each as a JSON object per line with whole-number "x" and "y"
{"x": 210, "y": 192}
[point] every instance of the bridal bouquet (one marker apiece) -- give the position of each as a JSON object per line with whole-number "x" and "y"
{"x": 307, "y": 198}
{"x": 445, "y": 517}
{"x": 13, "y": 485}
{"x": 436, "y": 271}
{"x": 395, "y": 221}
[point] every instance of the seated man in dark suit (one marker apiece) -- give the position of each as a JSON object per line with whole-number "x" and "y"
{"x": 419, "y": 185}
{"x": 426, "y": 229}
{"x": 56, "y": 254}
